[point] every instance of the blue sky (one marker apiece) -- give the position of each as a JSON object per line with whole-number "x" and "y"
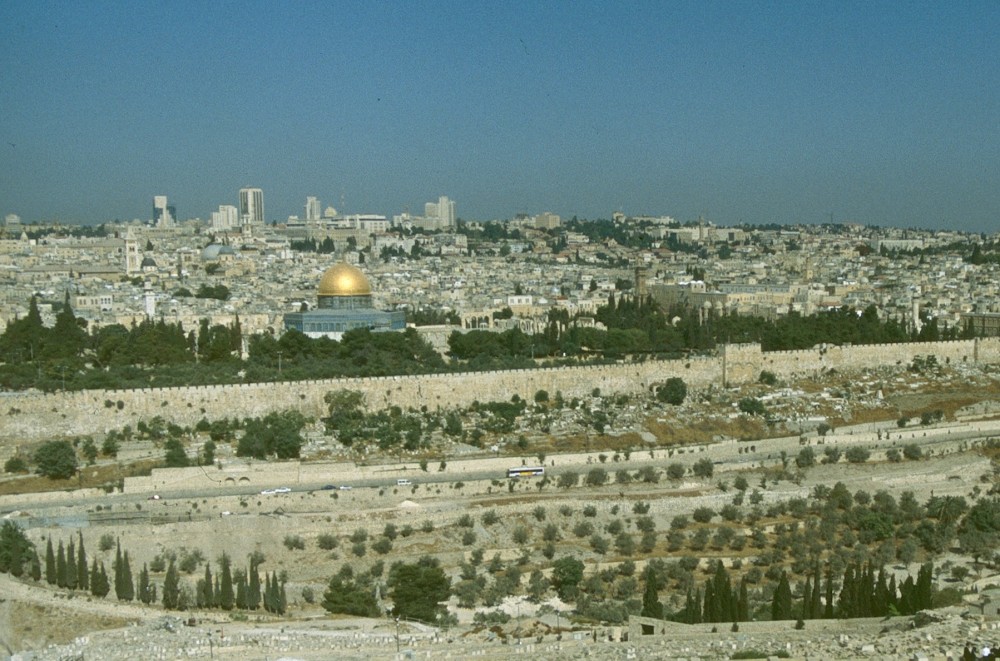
{"x": 883, "y": 113}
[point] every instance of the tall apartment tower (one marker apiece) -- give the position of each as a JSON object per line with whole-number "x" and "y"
{"x": 251, "y": 206}
{"x": 226, "y": 218}
{"x": 164, "y": 215}
{"x": 312, "y": 208}
{"x": 443, "y": 210}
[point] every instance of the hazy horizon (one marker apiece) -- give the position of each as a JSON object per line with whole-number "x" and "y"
{"x": 877, "y": 113}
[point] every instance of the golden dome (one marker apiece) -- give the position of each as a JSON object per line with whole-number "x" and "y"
{"x": 344, "y": 280}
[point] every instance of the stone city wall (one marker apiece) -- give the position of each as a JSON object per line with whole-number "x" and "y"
{"x": 29, "y": 417}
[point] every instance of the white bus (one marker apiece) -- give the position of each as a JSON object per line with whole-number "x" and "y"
{"x": 525, "y": 471}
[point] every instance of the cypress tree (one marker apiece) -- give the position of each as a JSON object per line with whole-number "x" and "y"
{"x": 144, "y": 593}
{"x": 81, "y": 566}
{"x": 893, "y": 596}
{"x": 689, "y": 607}
{"x": 846, "y": 606}
{"x": 95, "y": 578}
{"x": 282, "y": 600}
{"x": 924, "y": 587}
{"x": 71, "y": 579}
{"x": 807, "y": 599}
{"x": 61, "y": 566}
{"x": 199, "y": 593}
{"x": 217, "y": 590}
{"x": 105, "y": 585}
{"x": 16, "y": 562}
{"x": 881, "y": 601}
{"x": 99, "y": 585}
{"x": 816, "y": 607}
{"x": 226, "y": 596}
{"x": 709, "y": 611}
{"x": 743, "y": 608}
{"x": 651, "y": 606}
{"x": 50, "y": 564}
{"x": 781, "y": 603}
{"x": 207, "y": 596}
{"x": 268, "y": 594}
{"x": 36, "y": 566}
{"x": 867, "y": 591}
{"x": 128, "y": 586}
{"x": 724, "y": 603}
{"x": 171, "y": 588}
{"x": 907, "y": 597}
{"x": 119, "y": 583}
{"x": 241, "y": 592}
{"x": 828, "y": 608}
{"x": 253, "y": 587}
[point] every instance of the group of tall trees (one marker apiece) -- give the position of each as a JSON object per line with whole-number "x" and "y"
{"x": 160, "y": 352}
{"x": 239, "y": 589}
{"x": 862, "y": 592}
{"x": 416, "y": 589}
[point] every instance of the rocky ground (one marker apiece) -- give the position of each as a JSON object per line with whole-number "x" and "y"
{"x": 58, "y": 624}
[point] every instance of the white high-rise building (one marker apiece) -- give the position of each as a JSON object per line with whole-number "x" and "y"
{"x": 251, "y": 206}
{"x": 164, "y": 215}
{"x": 440, "y": 214}
{"x": 312, "y": 209}
{"x": 226, "y": 218}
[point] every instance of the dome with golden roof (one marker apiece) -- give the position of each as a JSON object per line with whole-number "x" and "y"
{"x": 344, "y": 280}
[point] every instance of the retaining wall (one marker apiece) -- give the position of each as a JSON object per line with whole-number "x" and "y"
{"x": 32, "y": 416}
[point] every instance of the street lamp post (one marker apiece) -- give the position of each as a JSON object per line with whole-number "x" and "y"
{"x": 397, "y": 635}
{"x": 279, "y": 363}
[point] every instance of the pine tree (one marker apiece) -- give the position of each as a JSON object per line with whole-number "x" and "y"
{"x": 226, "y": 596}
{"x": 81, "y": 566}
{"x": 61, "y": 566}
{"x": 50, "y": 564}
{"x": 781, "y": 603}
{"x": 171, "y": 588}
{"x": 71, "y": 579}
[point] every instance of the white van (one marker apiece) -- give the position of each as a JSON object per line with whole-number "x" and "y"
{"x": 403, "y": 482}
